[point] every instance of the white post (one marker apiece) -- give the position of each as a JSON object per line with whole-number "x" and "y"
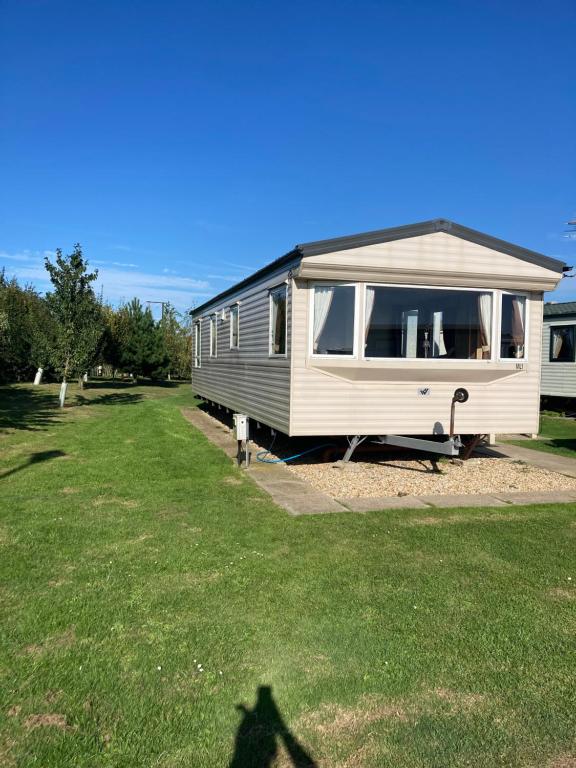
{"x": 38, "y": 377}
{"x": 492, "y": 439}
{"x": 85, "y": 378}
{"x": 62, "y": 397}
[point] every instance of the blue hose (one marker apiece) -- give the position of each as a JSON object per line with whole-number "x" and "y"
{"x": 260, "y": 454}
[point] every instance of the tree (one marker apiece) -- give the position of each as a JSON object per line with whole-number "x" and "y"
{"x": 25, "y": 330}
{"x": 142, "y": 350}
{"x": 77, "y": 316}
{"x": 175, "y": 337}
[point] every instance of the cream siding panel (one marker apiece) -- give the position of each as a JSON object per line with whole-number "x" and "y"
{"x": 247, "y": 380}
{"x": 327, "y": 405}
{"x": 413, "y": 260}
{"x": 558, "y": 379}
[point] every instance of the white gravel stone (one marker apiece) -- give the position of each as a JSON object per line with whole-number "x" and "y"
{"x": 414, "y": 477}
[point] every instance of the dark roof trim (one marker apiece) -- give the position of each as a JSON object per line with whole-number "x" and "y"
{"x": 288, "y": 258}
{"x": 427, "y": 228}
{"x": 559, "y": 309}
{"x": 384, "y": 236}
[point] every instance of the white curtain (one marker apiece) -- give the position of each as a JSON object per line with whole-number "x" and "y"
{"x": 557, "y": 341}
{"x": 322, "y": 300}
{"x": 485, "y": 315}
{"x": 370, "y": 296}
{"x": 438, "y": 346}
{"x": 518, "y": 307}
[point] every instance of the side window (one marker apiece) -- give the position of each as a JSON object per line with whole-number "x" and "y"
{"x": 562, "y": 344}
{"x": 213, "y": 336}
{"x": 197, "y": 345}
{"x": 234, "y": 326}
{"x": 278, "y": 321}
{"x": 513, "y": 326}
{"x": 333, "y": 320}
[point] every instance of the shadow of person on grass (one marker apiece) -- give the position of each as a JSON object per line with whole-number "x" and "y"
{"x": 259, "y": 734}
{"x": 34, "y": 458}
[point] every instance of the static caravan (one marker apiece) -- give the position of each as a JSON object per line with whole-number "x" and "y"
{"x": 559, "y": 350}
{"x": 374, "y": 334}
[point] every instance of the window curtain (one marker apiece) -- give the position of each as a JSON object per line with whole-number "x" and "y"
{"x": 518, "y": 307}
{"x": 322, "y": 300}
{"x": 557, "y": 342}
{"x": 370, "y": 296}
{"x": 280, "y": 323}
{"x": 438, "y": 346}
{"x": 485, "y": 317}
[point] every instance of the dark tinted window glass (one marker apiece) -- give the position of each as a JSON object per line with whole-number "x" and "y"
{"x": 562, "y": 344}
{"x": 428, "y": 323}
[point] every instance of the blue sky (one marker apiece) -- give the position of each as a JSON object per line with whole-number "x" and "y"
{"x": 184, "y": 144}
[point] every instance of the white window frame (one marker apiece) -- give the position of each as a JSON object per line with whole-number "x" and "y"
{"x": 523, "y": 359}
{"x": 441, "y": 361}
{"x": 271, "y": 292}
{"x": 213, "y": 335}
{"x": 550, "y": 328}
{"x": 235, "y": 309}
{"x": 335, "y": 283}
{"x": 198, "y": 343}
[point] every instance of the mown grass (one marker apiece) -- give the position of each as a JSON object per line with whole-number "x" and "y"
{"x": 133, "y": 551}
{"x": 557, "y": 435}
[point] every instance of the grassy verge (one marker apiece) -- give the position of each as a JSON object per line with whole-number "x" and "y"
{"x": 557, "y": 435}
{"x": 149, "y": 588}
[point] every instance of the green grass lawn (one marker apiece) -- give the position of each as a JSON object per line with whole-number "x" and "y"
{"x": 149, "y": 589}
{"x": 557, "y": 435}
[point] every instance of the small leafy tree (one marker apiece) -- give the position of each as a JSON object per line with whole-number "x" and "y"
{"x": 25, "y": 330}
{"x": 77, "y": 316}
{"x": 175, "y": 336}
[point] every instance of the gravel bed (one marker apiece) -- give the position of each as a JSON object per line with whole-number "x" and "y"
{"x": 416, "y": 478}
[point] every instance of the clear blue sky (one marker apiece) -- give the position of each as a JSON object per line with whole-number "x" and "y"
{"x": 184, "y": 144}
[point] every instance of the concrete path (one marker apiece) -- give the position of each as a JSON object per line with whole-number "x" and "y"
{"x": 298, "y": 497}
{"x": 550, "y": 461}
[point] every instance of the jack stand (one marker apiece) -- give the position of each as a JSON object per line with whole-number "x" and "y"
{"x": 352, "y": 445}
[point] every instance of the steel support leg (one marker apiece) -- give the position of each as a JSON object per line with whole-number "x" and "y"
{"x": 354, "y": 443}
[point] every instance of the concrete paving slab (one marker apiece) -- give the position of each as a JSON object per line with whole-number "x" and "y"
{"x": 211, "y": 429}
{"x": 298, "y": 497}
{"x": 365, "y": 504}
{"x": 288, "y": 491}
{"x": 550, "y": 461}
{"x": 462, "y": 500}
{"x": 538, "y": 497}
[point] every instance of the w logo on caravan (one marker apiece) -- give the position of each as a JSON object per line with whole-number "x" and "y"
{"x": 424, "y": 391}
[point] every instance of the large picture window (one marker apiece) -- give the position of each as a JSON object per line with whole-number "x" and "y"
{"x": 513, "y": 326}
{"x": 562, "y": 346}
{"x": 428, "y": 323}
{"x": 278, "y": 317}
{"x": 333, "y": 320}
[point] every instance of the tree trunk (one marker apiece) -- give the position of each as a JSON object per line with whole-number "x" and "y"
{"x": 38, "y": 377}
{"x": 63, "y": 388}
{"x": 80, "y": 382}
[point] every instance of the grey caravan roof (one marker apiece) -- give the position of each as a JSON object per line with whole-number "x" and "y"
{"x": 387, "y": 235}
{"x": 560, "y": 309}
